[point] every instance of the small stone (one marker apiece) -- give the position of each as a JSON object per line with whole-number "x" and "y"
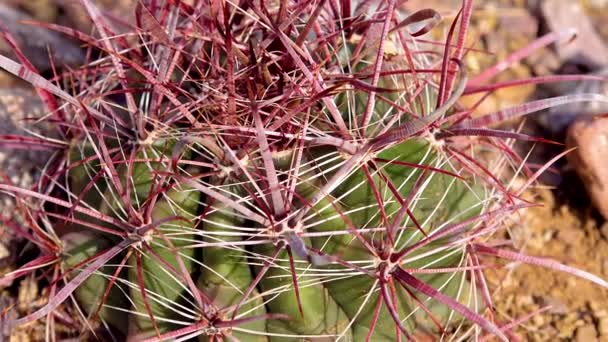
{"x": 19, "y": 336}
{"x": 3, "y": 252}
{"x": 538, "y": 320}
{"x": 566, "y": 329}
{"x": 603, "y": 326}
{"x": 524, "y": 301}
{"x": 586, "y": 333}
{"x": 28, "y": 292}
{"x": 604, "y": 230}
{"x": 588, "y": 48}
{"x": 571, "y": 317}
{"x": 34, "y": 41}
{"x": 590, "y": 137}
{"x": 557, "y": 307}
{"x": 601, "y": 313}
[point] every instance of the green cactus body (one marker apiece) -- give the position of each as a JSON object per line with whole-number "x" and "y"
{"x": 334, "y": 300}
{"x": 320, "y": 313}
{"x": 201, "y": 141}
{"x": 350, "y": 292}
{"x": 332, "y": 305}
{"x": 82, "y": 245}
{"x": 80, "y": 176}
{"x": 83, "y": 172}
{"x": 226, "y": 274}
{"x": 163, "y": 286}
{"x": 356, "y": 197}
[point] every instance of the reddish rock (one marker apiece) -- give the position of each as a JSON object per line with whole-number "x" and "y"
{"x": 590, "y": 137}
{"x": 588, "y": 48}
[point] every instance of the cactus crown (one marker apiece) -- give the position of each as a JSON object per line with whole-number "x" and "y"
{"x": 272, "y": 171}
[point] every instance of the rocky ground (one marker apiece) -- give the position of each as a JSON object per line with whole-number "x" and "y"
{"x": 571, "y": 225}
{"x": 568, "y": 227}
{"x": 576, "y": 309}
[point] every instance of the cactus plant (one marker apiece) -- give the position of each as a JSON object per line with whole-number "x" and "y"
{"x": 285, "y": 171}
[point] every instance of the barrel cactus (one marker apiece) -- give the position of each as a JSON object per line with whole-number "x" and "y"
{"x": 272, "y": 171}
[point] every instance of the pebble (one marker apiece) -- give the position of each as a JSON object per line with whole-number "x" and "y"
{"x": 34, "y": 42}
{"x": 590, "y": 137}
{"x": 604, "y": 230}
{"x": 538, "y": 320}
{"x": 586, "y": 333}
{"x": 28, "y": 292}
{"x": 3, "y": 252}
{"x": 603, "y": 326}
{"x": 601, "y": 313}
{"x": 588, "y": 48}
